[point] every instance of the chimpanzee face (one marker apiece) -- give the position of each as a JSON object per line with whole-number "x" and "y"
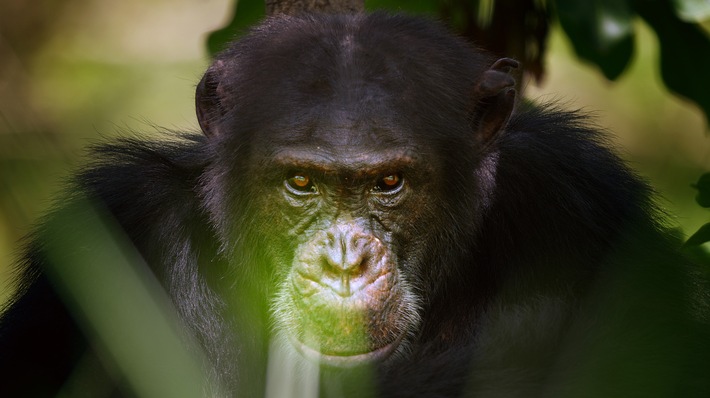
{"x": 343, "y": 164}
{"x": 344, "y": 207}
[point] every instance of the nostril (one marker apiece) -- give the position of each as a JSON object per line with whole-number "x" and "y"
{"x": 347, "y": 250}
{"x": 349, "y": 261}
{"x": 333, "y": 259}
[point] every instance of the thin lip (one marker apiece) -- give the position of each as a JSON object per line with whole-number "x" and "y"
{"x": 346, "y": 361}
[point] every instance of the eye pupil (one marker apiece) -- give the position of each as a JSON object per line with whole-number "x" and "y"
{"x": 391, "y": 180}
{"x": 301, "y": 183}
{"x": 389, "y": 183}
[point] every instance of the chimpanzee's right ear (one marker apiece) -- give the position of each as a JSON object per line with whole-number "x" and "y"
{"x": 209, "y": 99}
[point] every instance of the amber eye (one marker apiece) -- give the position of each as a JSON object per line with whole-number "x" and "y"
{"x": 389, "y": 183}
{"x": 301, "y": 183}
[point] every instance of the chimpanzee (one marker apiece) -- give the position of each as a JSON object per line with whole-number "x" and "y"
{"x": 371, "y": 202}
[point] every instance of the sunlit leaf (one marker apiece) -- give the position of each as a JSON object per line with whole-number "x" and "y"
{"x": 600, "y": 31}
{"x": 685, "y": 52}
{"x": 692, "y": 10}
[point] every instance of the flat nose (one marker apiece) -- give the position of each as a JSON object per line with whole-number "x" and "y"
{"x": 346, "y": 256}
{"x": 345, "y": 251}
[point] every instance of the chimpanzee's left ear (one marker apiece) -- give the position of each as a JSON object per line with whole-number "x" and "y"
{"x": 209, "y": 99}
{"x": 494, "y": 93}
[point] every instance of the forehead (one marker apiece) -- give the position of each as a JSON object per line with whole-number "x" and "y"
{"x": 338, "y": 124}
{"x": 349, "y": 67}
{"x": 340, "y": 140}
{"x": 345, "y": 88}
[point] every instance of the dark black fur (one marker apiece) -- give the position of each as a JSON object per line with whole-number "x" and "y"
{"x": 549, "y": 276}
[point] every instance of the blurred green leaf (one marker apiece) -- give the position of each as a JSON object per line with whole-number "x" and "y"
{"x": 120, "y": 304}
{"x": 685, "y": 52}
{"x": 246, "y": 13}
{"x": 703, "y": 187}
{"x": 600, "y": 31}
{"x": 700, "y": 237}
{"x": 692, "y": 10}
